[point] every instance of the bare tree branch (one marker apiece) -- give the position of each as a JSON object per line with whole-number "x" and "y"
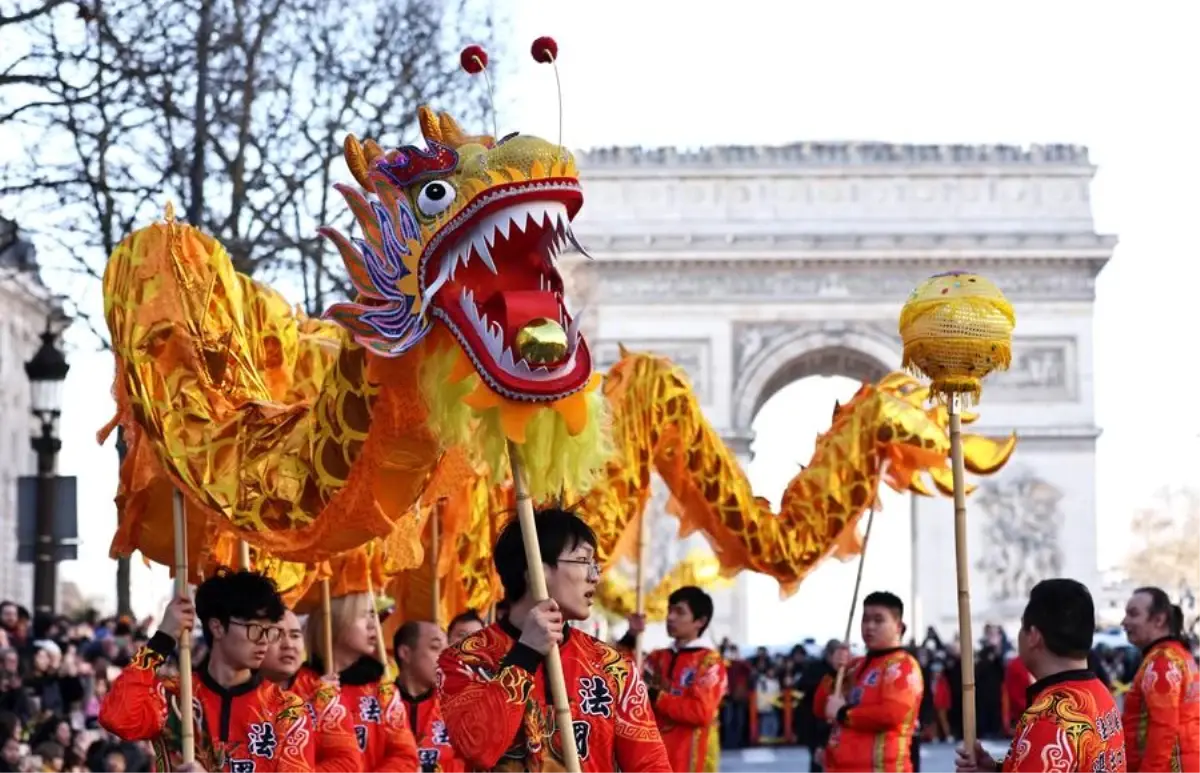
{"x": 234, "y": 108}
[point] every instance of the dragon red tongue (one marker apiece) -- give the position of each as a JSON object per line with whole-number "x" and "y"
{"x": 514, "y": 309}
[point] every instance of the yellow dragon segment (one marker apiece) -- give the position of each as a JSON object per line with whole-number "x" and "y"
{"x": 659, "y": 425}
{"x": 310, "y": 437}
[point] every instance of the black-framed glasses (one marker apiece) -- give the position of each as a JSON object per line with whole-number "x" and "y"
{"x": 257, "y": 632}
{"x": 591, "y": 563}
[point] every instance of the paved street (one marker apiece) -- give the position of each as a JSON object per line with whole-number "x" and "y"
{"x": 935, "y": 758}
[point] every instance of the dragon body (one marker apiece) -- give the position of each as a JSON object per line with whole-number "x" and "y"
{"x": 308, "y": 438}
{"x": 884, "y": 433}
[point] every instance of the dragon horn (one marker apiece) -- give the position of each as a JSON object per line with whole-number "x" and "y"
{"x": 622, "y": 350}
{"x": 372, "y": 150}
{"x": 431, "y": 127}
{"x": 455, "y": 137}
{"x": 355, "y": 159}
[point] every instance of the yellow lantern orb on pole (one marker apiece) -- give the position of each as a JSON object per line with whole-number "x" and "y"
{"x": 957, "y": 328}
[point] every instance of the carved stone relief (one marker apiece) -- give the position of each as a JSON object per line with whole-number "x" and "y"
{"x": 693, "y": 355}
{"x": 1044, "y": 369}
{"x": 1022, "y": 529}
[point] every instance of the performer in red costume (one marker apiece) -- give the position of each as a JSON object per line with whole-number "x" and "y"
{"x": 1072, "y": 722}
{"x": 334, "y": 747}
{"x": 686, "y": 684}
{"x": 417, "y": 646}
{"x": 1162, "y": 707}
{"x": 377, "y": 713}
{"x": 242, "y": 721}
{"x": 493, "y": 686}
{"x": 873, "y": 727}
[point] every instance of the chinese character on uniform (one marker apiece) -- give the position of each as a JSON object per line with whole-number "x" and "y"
{"x": 368, "y": 708}
{"x": 594, "y": 697}
{"x": 262, "y": 740}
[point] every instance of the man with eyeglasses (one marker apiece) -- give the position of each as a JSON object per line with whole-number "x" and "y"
{"x": 242, "y": 721}
{"x": 335, "y": 746}
{"x": 492, "y": 684}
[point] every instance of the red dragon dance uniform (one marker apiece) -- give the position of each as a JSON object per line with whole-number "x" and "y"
{"x": 688, "y": 705}
{"x": 335, "y": 747}
{"x": 251, "y": 728}
{"x": 874, "y": 730}
{"x": 377, "y": 718}
{"x": 1162, "y": 710}
{"x": 1071, "y": 724}
{"x": 429, "y": 728}
{"x": 496, "y": 703}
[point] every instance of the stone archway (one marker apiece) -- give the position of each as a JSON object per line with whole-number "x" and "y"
{"x": 859, "y": 352}
{"x": 754, "y": 267}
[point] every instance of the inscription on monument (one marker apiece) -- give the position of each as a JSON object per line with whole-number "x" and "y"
{"x": 693, "y": 355}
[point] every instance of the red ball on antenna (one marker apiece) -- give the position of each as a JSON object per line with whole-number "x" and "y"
{"x": 544, "y": 50}
{"x": 473, "y": 59}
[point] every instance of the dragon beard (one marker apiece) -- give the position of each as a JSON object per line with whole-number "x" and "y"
{"x": 556, "y": 461}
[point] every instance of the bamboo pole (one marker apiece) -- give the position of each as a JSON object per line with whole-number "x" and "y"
{"x": 537, "y": 585}
{"x": 435, "y": 548}
{"x": 327, "y": 625}
{"x": 643, "y": 541}
{"x": 966, "y": 639}
{"x": 187, "y": 726}
{"x": 244, "y": 555}
{"x": 862, "y": 559}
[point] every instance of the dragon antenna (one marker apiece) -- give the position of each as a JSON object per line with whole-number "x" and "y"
{"x": 475, "y": 60}
{"x": 545, "y": 51}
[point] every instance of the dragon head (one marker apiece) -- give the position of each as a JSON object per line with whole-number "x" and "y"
{"x": 465, "y": 233}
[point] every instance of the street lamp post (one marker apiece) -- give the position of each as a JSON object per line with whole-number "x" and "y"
{"x": 46, "y": 371}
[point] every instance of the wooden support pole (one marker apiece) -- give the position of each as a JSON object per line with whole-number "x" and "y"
{"x": 187, "y": 730}
{"x": 537, "y": 585}
{"x": 966, "y": 640}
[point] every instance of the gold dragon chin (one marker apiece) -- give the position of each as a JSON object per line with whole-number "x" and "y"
{"x": 308, "y": 438}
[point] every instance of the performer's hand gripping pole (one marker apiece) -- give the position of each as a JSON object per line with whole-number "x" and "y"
{"x": 537, "y": 585}
{"x": 184, "y": 646}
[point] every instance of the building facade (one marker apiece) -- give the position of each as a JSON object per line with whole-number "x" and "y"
{"x": 753, "y": 267}
{"x": 27, "y": 303}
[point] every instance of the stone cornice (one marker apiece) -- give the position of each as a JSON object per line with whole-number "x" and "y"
{"x": 841, "y": 154}
{"x": 687, "y": 281}
{"x": 655, "y": 246}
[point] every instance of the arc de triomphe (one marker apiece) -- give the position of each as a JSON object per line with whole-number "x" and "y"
{"x": 753, "y": 267}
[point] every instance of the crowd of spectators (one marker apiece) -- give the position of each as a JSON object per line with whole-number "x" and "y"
{"x": 53, "y": 674}
{"x": 770, "y": 696}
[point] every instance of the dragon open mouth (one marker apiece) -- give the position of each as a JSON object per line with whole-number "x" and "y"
{"x": 491, "y": 277}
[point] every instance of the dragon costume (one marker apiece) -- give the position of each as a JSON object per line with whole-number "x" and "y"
{"x": 310, "y": 438}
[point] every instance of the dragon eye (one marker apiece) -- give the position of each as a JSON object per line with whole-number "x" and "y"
{"x": 435, "y": 198}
